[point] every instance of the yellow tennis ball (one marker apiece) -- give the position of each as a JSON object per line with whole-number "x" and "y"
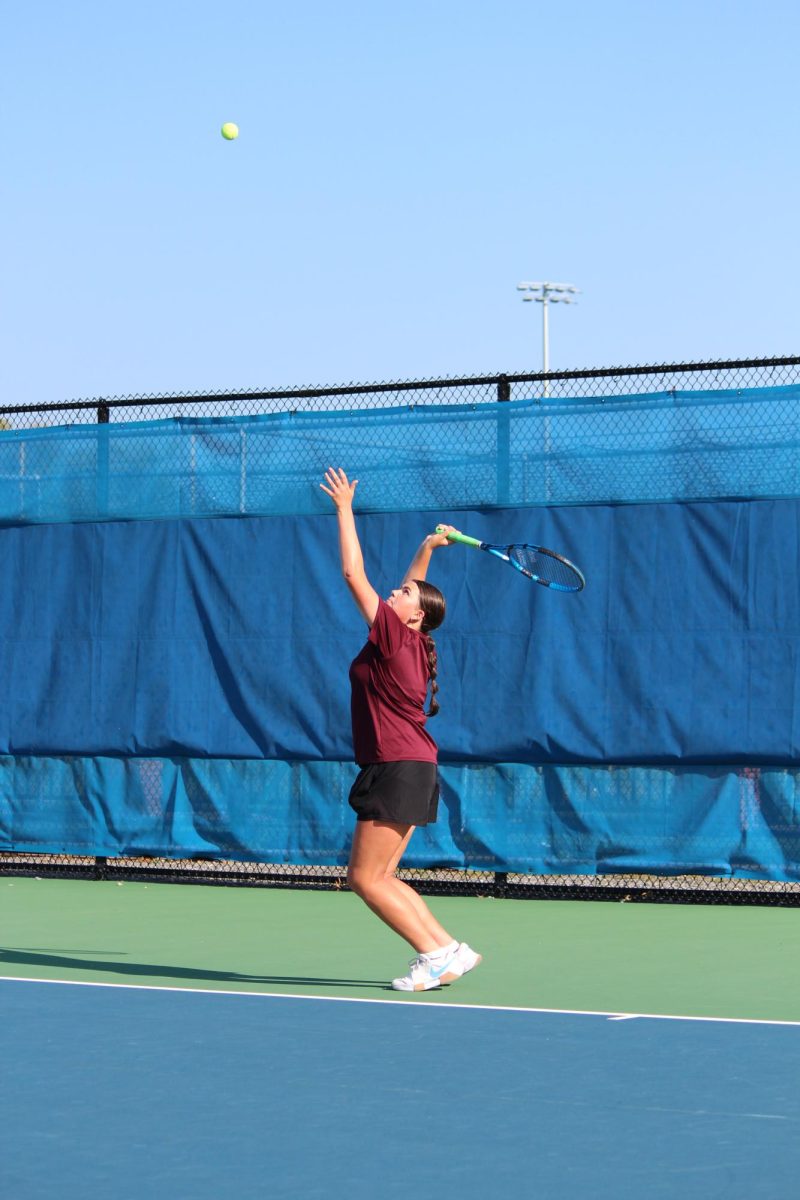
{"x": 229, "y": 131}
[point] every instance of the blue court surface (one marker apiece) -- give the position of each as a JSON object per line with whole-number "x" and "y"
{"x": 135, "y": 1092}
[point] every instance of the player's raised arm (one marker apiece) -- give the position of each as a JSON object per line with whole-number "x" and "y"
{"x": 341, "y": 492}
{"x": 418, "y": 567}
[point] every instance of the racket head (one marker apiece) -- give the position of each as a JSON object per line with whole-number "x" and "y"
{"x": 546, "y": 567}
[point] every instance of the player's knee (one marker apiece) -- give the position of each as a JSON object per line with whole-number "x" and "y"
{"x": 365, "y": 883}
{"x": 357, "y": 880}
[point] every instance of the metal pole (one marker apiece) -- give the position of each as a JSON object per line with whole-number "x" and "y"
{"x": 545, "y": 346}
{"x": 546, "y": 395}
{"x": 102, "y": 463}
{"x": 503, "y": 440}
{"x": 541, "y": 292}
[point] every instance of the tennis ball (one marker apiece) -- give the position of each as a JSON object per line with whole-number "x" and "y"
{"x": 229, "y": 131}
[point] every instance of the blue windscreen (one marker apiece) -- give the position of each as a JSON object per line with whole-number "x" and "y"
{"x": 175, "y": 633}
{"x": 542, "y": 820}
{"x": 662, "y": 447}
{"x": 232, "y": 638}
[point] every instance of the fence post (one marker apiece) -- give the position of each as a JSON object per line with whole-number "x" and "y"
{"x": 500, "y": 884}
{"x": 101, "y": 464}
{"x": 503, "y": 441}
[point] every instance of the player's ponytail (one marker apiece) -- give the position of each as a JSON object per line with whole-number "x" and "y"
{"x": 431, "y": 601}
{"x": 433, "y": 707}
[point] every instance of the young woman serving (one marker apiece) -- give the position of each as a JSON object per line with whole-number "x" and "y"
{"x": 397, "y": 786}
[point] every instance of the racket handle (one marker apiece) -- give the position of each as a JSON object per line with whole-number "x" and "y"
{"x": 460, "y": 537}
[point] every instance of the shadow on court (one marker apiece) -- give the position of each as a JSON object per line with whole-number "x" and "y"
{"x": 23, "y": 956}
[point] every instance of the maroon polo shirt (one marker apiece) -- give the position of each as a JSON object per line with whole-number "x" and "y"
{"x": 389, "y": 684}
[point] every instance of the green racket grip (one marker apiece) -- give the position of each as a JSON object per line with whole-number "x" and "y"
{"x": 460, "y": 537}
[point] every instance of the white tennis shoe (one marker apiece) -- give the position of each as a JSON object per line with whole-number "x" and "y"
{"x": 427, "y": 972}
{"x": 464, "y": 959}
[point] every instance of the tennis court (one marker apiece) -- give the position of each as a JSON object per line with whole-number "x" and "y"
{"x": 164, "y": 717}
{"x": 287, "y": 471}
{"x": 184, "y": 1041}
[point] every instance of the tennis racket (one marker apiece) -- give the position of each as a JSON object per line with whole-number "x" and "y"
{"x": 534, "y": 562}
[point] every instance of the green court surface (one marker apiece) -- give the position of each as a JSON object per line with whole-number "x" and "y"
{"x": 683, "y": 960}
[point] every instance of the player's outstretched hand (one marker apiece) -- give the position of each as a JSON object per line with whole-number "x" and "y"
{"x": 339, "y": 487}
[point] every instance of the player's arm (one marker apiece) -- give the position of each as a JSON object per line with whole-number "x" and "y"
{"x": 418, "y": 568}
{"x": 341, "y": 492}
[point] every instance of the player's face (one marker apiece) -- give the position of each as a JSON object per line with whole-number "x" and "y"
{"x": 405, "y": 602}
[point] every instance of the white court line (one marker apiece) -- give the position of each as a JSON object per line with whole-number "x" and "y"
{"x": 565, "y": 1012}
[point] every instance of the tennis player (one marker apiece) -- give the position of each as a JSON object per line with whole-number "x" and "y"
{"x": 397, "y": 786}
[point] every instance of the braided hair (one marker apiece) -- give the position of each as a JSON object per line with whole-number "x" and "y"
{"x": 431, "y": 601}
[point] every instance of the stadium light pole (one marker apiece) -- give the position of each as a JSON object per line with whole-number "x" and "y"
{"x": 547, "y": 294}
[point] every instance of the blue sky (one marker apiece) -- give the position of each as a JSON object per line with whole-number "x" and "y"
{"x": 399, "y": 170}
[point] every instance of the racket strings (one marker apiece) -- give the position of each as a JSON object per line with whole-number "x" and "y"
{"x": 547, "y": 566}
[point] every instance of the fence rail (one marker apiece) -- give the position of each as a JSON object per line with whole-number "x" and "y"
{"x": 582, "y": 384}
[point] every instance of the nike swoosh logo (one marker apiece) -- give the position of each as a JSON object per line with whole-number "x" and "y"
{"x": 437, "y": 971}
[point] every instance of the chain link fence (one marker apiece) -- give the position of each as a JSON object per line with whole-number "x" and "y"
{"x": 600, "y": 384}
{"x": 623, "y": 435}
{"x": 593, "y": 390}
{"x": 621, "y": 888}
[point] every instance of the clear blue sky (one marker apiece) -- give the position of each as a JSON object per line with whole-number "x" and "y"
{"x": 399, "y": 169}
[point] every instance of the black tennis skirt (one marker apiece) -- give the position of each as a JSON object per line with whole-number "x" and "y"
{"x": 405, "y": 793}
